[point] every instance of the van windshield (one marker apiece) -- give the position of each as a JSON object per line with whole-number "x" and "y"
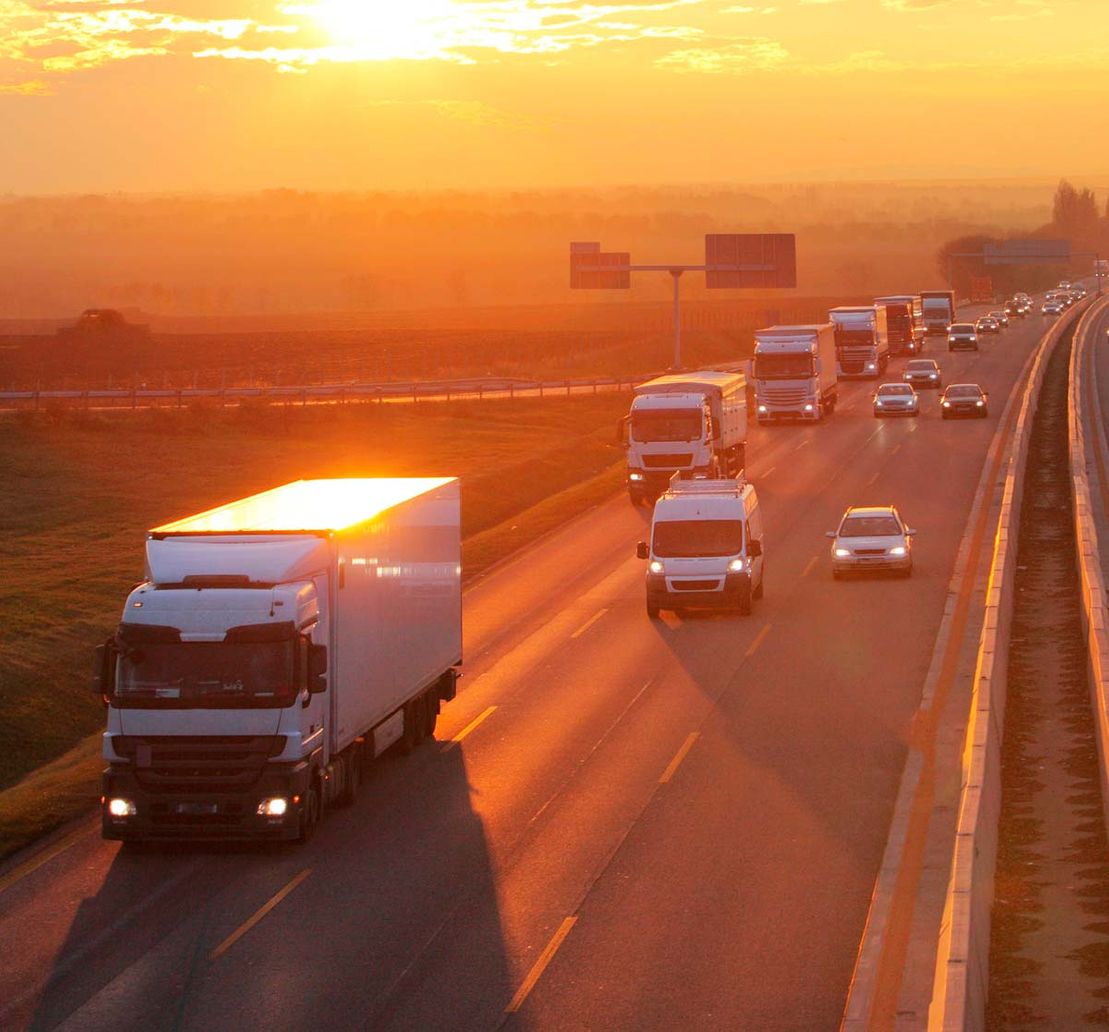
{"x": 689, "y": 539}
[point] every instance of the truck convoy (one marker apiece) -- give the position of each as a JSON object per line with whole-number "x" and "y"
{"x": 794, "y": 371}
{"x": 939, "y": 311}
{"x": 862, "y": 340}
{"x": 276, "y": 643}
{"x": 689, "y": 423}
{"x": 706, "y": 547}
{"x": 904, "y": 321}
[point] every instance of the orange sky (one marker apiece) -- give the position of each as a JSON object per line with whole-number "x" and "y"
{"x": 101, "y": 95}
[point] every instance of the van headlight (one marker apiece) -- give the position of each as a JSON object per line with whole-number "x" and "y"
{"x": 654, "y": 566}
{"x": 635, "y": 476}
{"x": 737, "y": 565}
{"x": 897, "y": 550}
{"x": 122, "y": 807}
{"x": 980, "y": 403}
{"x": 870, "y": 367}
{"x": 763, "y": 408}
{"x": 842, "y": 553}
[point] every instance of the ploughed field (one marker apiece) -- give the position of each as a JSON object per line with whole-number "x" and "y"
{"x": 80, "y": 490}
{"x": 557, "y": 341}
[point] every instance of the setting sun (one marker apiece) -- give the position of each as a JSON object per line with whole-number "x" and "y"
{"x": 415, "y": 30}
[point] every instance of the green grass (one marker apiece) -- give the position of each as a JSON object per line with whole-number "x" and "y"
{"x": 79, "y": 492}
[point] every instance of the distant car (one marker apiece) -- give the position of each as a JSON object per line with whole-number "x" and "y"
{"x": 872, "y": 538}
{"x": 1051, "y": 308}
{"x": 964, "y": 399}
{"x": 896, "y": 399}
{"x": 1001, "y": 316}
{"x": 962, "y": 336}
{"x": 987, "y": 324}
{"x": 923, "y": 372}
{"x": 1016, "y": 308}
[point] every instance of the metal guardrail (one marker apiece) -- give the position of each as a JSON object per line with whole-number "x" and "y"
{"x": 382, "y": 392}
{"x": 962, "y": 956}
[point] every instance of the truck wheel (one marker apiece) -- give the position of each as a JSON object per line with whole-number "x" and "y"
{"x": 309, "y": 813}
{"x": 352, "y": 777}
{"x": 431, "y": 712}
{"x": 415, "y": 719}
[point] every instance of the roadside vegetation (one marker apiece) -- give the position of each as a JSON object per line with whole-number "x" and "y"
{"x": 81, "y": 489}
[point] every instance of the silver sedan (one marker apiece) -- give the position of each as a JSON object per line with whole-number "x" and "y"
{"x": 896, "y": 399}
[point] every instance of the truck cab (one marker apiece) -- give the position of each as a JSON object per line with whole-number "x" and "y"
{"x": 706, "y": 547}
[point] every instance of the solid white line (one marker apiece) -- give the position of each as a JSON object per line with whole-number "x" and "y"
{"x": 589, "y": 623}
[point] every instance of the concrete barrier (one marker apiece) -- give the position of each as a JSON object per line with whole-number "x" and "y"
{"x": 1089, "y": 460}
{"x": 962, "y": 957}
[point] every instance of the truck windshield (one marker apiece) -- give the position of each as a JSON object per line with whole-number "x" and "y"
{"x": 688, "y": 539}
{"x": 783, "y": 367}
{"x": 854, "y": 338}
{"x": 205, "y": 675}
{"x": 666, "y": 425}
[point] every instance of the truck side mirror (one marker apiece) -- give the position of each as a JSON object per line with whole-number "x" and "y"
{"x": 641, "y": 551}
{"x": 622, "y": 431}
{"x": 754, "y": 549}
{"x": 317, "y": 668}
{"x": 103, "y": 668}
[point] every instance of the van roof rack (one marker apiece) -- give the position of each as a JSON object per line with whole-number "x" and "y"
{"x": 707, "y": 485}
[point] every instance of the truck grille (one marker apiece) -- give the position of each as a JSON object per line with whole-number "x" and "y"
{"x": 785, "y": 395}
{"x": 674, "y": 461}
{"x": 209, "y": 763}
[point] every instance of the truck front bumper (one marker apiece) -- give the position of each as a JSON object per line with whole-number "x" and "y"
{"x": 808, "y": 410}
{"x": 199, "y": 813}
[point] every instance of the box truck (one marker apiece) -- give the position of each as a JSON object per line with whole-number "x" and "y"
{"x": 795, "y": 372}
{"x": 693, "y": 423}
{"x": 276, "y": 643}
{"x": 939, "y": 311}
{"x": 862, "y": 340}
{"x": 904, "y": 322}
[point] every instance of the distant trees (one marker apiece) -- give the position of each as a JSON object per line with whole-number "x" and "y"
{"x": 1075, "y": 211}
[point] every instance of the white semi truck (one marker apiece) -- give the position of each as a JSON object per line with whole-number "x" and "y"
{"x": 278, "y": 642}
{"x": 693, "y": 423}
{"x": 862, "y": 341}
{"x": 795, "y": 372}
{"x": 938, "y": 311}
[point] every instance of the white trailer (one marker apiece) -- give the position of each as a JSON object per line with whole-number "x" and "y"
{"x": 693, "y": 423}
{"x": 862, "y": 341}
{"x": 795, "y": 372}
{"x": 277, "y": 643}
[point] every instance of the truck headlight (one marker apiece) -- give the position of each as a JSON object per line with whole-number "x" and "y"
{"x": 842, "y": 553}
{"x": 980, "y": 403}
{"x": 763, "y": 408}
{"x": 947, "y": 404}
{"x": 808, "y": 408}
{"x": 737, "y": 565}
{"x": 870, "y": 367}
{"x": 635, "y": 476}
{"x": 121, "y": 807}
{"x": 897, "y": 550}
{"x": 654, "y": 566}
{"x": 276, "y": 807}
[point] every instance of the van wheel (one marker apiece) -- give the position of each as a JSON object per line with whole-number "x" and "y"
{"x": 652, "y": 611}
{"x": 743, "y": 607}
{"x": 757, "y": 593}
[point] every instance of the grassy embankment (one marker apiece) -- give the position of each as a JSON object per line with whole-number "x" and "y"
{"x": 79, "y": 491}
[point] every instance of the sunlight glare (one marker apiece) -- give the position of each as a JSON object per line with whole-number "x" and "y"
{"x": 382, "y": 31}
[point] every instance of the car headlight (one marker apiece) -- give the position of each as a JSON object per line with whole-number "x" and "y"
{"x": 654, "y": 566}
{"x": 763, "y": 408}
{"x": 947, "y": 404}
{"x": 897, "y": 550}
{"x": 122, "y": 808}
{"x": 933, "y": 376}
{"x": 276, "y": 807}
{"x": 635, "y": 476}
{"x": 737, "y": 565}
{"x": 808, "y": 408}
{"x": 980, "y": 403}
{"x": 842, "y": 553}
{"x": 870, "y": 366}
{"x": 877, "y": 402}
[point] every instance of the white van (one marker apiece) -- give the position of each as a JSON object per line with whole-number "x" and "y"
{"x": 705, "y": 548}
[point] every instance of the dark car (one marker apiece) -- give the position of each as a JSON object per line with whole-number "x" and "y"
{"x": 987, "y": 324}
{"x": 962, "y": 336}
{"x": 964, "y": 399}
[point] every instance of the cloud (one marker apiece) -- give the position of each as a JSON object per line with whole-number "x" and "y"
{"x": 913, "y": 5}
{"x": 745, "y": 55}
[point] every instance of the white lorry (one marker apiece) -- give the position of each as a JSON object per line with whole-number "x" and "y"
{"x": 276, "y": 643}
{"x": 706, "y": 547}
{"x": 689, "y": 423}
{"x": 862, "y": 340}
{"x": 795, "y": 372}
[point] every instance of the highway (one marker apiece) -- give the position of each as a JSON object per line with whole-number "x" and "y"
{"x": 624, "y": 823}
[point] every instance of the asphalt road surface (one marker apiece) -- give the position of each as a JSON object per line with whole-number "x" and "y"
{"x": 645, "y": 825}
